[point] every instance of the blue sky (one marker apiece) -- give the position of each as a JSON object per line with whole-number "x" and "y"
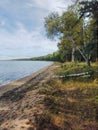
{"x": 22, "y": 32}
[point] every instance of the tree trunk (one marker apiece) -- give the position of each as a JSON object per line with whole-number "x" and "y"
{"x": 96, "y": 36}
{"x": 97, "y": 42}
{"x": 73, "y": 53}
{"x": 85, "y": 57}
{"x": 88, "y": 62}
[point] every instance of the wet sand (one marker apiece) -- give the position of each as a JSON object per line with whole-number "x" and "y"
{"x": 22, "y": 81}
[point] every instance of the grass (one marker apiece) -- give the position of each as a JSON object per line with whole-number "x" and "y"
{"x": 71, "y": 104}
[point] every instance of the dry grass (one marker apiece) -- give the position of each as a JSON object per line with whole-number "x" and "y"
{"x": 71, "y": 104}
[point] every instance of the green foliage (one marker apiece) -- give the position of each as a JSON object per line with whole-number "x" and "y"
{"x": 96, "y": 99}
{"x": 89, "y": 9}
{"x": 52, "y": 25}
{"x": 50, "y": 57}
{"x": 76, "y": 34}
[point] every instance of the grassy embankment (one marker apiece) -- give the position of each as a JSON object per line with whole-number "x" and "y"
{"x": 70, "y": 103}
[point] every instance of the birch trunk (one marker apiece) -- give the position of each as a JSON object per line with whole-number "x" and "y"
{"x": 73, "y": 53}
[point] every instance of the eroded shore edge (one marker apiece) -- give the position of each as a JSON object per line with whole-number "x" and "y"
{"x": 23, "y": 81}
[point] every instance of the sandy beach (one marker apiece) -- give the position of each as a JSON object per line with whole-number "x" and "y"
{"x": 20, "y": 101}
{"x": 23, "y": 81}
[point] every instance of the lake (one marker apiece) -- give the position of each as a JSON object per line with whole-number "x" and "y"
{"x": 14, "y": 70}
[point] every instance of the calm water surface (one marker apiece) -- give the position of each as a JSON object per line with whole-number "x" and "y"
{"x": 14, "y": 70}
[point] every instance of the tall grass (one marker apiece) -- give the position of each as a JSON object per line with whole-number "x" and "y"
{"x": 70, "y": 103}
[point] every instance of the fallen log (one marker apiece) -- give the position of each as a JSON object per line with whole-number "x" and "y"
{"x": 87, "y": 74}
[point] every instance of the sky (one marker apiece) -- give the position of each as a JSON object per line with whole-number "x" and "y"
{"x": 22, "y": 32}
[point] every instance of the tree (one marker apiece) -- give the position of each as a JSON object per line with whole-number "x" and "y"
{"x": 52, "y": 23}
{"x": 64, "y": 51}
{"x": 89, "y": 8}
{"x": 74, "y": 33}
{"x": 62, "y": 27}
{"x": 70, "y": 34}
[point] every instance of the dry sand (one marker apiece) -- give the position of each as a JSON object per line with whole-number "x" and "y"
{"x": 20, "y": 101}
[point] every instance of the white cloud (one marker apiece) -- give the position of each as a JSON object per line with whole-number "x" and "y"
{"x": 49, "y": 5}
{"x": 54, "y": 5}
{"x": 24, "y": 43}
{"x": 21, "y": 27}
{"x": 2, "y": 23}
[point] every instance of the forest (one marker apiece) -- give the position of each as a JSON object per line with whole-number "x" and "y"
{"x": 77, "y": 32}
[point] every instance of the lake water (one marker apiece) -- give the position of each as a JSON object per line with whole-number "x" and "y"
{"x": 14, "y": 70}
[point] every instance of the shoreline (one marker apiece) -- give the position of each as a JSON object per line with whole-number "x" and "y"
{"x": 20, "y": 100}
{"x": 22, "y": 81}
{"x": 47, "y": 103}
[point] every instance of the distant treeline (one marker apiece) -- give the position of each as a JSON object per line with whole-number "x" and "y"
{"x": 50, "y": 57}
{"x": 56, "y": 56}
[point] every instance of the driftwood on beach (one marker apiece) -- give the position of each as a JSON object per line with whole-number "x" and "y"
{"x": 87, "y": 74}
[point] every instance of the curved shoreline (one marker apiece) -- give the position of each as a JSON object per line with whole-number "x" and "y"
{"x": 20, "y": 100}
{"x": 22, "y": 81}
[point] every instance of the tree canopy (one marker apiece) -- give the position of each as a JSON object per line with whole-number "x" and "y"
{"x": 75, "y": 30}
